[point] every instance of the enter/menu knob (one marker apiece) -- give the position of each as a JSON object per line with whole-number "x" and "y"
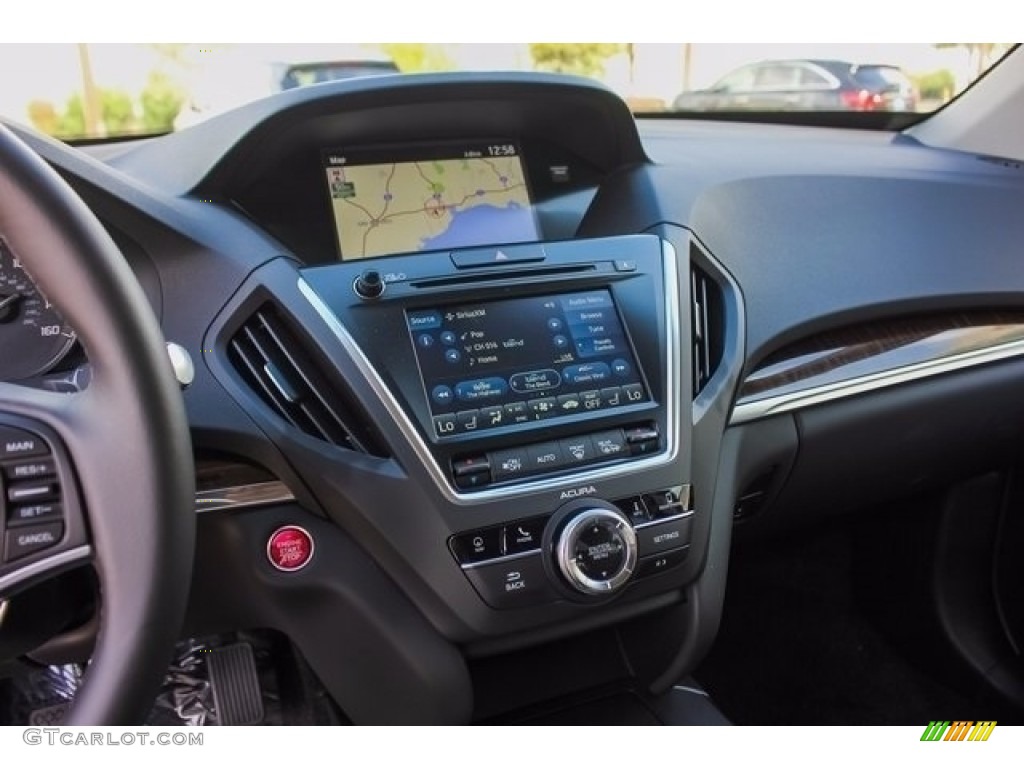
{"x": 597, "y": 551}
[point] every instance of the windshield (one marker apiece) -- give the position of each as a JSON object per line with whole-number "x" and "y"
{"x": 96, "y": 91}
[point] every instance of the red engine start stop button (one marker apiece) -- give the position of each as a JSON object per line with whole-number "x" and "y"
{"x": 290, "y": 548}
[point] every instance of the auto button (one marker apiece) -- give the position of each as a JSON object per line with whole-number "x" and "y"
{"x": 544, "y": 457}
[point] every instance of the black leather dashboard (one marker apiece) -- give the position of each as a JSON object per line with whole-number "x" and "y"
{"x": 748, "y": 240}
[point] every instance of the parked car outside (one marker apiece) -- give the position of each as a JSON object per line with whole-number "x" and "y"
{"x": 806, "y": 85}
{"x": 256, "y": 78}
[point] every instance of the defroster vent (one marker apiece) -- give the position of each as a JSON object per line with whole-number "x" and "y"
{"x": 706, "y": 324}
{"x": 275, "y": 364}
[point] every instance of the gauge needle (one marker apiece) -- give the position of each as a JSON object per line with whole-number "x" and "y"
{"x": 8, "y": 301}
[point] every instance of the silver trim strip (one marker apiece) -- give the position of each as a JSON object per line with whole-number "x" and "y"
{"x": 752, "y": 410}
{"x": 3, "y": 612}
{"x": 673, "y": 403}
{"x": 660, "y": 520}
{"x": 239, "y": 496}
{"x": 690, "y": 689}
{"x": 502, "y": 559}
{"x": 60, "y": 560}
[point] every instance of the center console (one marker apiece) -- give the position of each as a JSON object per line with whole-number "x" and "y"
{"x": 539, "y": 386}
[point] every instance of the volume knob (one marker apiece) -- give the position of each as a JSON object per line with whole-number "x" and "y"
{"x": 369, "y": 285}
{"x": 596, "y": 551}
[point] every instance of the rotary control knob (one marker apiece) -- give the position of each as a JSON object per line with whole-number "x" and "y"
{"x": 369, "y": 285}
{"x": 596, "y": 551}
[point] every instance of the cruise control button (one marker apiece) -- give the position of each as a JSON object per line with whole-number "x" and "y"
{"x": 523, "y": 536}
{"x": 515, "y": 583}
{"x": 18, "y": 444}
{"x": 545, "y": 457}
{"x": 659, "y": 537}
{"x": 25, "y": 541}
{"x": 29, "y": 469}
{"x": 34, "y": 513}
{"x": 475, "y": 546}
{"x": 25, "y": 493}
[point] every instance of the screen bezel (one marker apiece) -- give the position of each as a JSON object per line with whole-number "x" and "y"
{"x": 414, "y": 152}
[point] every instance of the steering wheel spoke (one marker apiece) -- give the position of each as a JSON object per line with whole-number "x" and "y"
{"x": 103, "y": 475}
{"x": 43, "y": 526}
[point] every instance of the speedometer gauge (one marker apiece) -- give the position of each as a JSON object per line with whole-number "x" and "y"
{"x": 33, "y": 336}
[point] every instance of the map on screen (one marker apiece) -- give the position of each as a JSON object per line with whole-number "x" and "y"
{"x": 399, "y": 200}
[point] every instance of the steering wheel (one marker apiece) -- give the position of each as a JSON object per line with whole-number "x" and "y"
{"x": 121, "y": 452}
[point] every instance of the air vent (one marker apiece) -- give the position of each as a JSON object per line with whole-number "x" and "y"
{"x": 271, "y": 359}
{"x": 706, "y": 328}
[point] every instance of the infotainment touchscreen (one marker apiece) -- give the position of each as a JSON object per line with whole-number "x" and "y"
{"x": 491, "y": 364}
{"x": 400, "y": 199}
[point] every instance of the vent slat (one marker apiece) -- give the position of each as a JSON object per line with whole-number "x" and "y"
{"x": 270, "y": 358}
{"x": 256, "y": 379}
{"x": 705, "y": 344}
{"x": 331, "y": 417}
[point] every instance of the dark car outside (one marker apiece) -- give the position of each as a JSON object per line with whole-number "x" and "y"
{"x": 297, "y": 75}
{"x": 805, "y": 85}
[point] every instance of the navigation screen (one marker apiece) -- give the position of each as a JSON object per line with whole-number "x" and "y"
{"x": 402, "y": 199}
{"x": 491, "y": 364}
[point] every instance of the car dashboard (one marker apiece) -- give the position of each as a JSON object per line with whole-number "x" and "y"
{"x": 417, "y": 459}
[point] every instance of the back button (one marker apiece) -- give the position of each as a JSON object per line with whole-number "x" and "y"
{"x": 514, "y": 583}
